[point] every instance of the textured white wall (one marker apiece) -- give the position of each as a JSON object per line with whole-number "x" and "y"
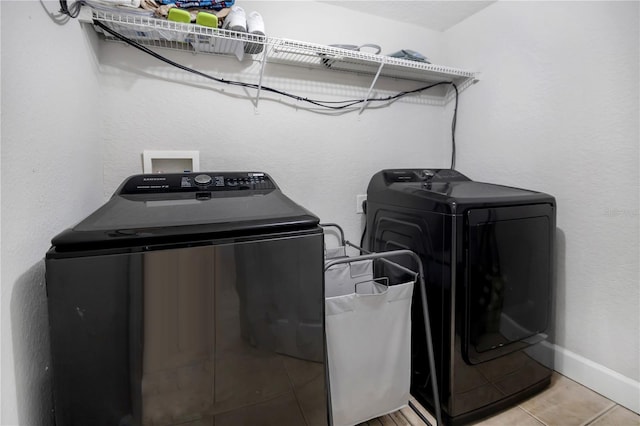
{"x": 557, "y": 111}
{"x": 51, "y": 178}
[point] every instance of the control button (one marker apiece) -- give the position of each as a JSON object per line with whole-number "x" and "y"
{"x": 428, "y": 174}
{"x": 202, "y": 179}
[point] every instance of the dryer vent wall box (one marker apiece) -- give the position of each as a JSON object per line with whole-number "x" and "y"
{"x": 170, "y": 161}
{"x": 189, "y": 296}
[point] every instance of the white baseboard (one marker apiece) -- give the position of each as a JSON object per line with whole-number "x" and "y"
{"x": 611, "y": 384}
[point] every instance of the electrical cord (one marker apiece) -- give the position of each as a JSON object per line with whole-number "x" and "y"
{"x": 364, "y": 231}
{"x": 72, "y": 11}
{"x": 333, "y": 105}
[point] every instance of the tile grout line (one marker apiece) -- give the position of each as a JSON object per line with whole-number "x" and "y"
{"x": 532, "y": 416}
{"x": 539, "y": 420}
{"x": 585, "y": 423}
{"x": 599, "y": 415}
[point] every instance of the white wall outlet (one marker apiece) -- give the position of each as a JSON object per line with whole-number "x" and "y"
{"x": 360, "y": 198}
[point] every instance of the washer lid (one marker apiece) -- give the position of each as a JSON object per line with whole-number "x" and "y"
{"x": 152, "y": 209}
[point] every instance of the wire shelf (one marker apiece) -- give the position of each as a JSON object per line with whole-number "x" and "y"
{"x": 339, "y": 59}
{"x": 149, "y": 31}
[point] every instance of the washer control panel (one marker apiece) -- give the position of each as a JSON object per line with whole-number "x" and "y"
{"x": 203, "y": 181}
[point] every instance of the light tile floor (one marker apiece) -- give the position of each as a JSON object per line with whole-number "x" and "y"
{"x": 564, "y": 403}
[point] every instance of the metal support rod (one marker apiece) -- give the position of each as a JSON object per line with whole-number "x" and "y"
{"x": 263, "y": 62}
{"x": 432, "y": 361}
{"x": 425, "y": 309}
{"x": 366, "y": 98}
{"x": 371, "y": 256}
{"x": 402, "y": 268}
{"x": 339, "y": 228}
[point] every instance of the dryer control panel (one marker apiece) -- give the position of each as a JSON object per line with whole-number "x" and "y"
{"x": 423, "y": 175}
{"x": 193, "y": 182}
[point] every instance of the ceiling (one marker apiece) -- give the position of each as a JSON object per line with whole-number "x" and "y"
{"x": 435, "y": 15}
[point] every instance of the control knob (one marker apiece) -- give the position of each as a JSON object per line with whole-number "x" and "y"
{"x": 202, "y": 180}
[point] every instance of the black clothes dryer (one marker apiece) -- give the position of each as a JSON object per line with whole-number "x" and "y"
{"x": 189, "y": 299}
{"x": 488, "y": 256}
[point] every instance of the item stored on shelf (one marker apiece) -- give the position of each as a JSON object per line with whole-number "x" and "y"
{"x": 358, "y": 48}
{"x": 255, "y": 25}
{"x": 207, "y": 19}
{"x": 179, "y": 15}
{"x": 236, "y": 20}
{"x": 328, "y": 60}
{"x": 133, "y": 4}
{"x": 201, "y": 4}
{"x": 149, "y": 5}
{"x": 411, "y": 55}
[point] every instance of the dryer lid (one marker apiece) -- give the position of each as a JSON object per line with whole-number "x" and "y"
{"x": 444, "y": 190}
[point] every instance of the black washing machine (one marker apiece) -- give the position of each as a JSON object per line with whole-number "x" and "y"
{"x": 489, "y": 259}
{"x": 189, "y": 299}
